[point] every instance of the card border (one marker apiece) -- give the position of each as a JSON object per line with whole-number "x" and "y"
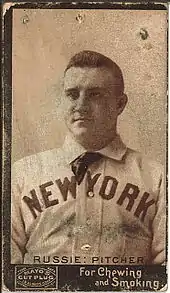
{"x": 6, "y": 108}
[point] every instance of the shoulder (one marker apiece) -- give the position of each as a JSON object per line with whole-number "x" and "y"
{"x": 145, "y": 163}
{"x": 36, "y": 162}
{"x": 38, "y": 157}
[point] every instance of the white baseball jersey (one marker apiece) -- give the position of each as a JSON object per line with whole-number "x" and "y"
{"x": 116, "y": 215}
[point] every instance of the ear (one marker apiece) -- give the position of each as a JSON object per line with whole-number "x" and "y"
{"x": 121, "y": 103}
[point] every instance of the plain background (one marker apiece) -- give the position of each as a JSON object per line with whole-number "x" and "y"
{"x": 43, "y": 42}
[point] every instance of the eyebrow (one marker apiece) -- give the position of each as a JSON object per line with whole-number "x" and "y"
{"x": 96, "y": 88}
{"x": 70, "y": 89}
{"x": 90, "y": 88}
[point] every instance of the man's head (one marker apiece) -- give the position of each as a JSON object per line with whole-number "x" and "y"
{"x": 94, "y": 93}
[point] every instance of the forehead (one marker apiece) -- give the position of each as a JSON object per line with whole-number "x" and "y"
{"x": 88, "y": 77}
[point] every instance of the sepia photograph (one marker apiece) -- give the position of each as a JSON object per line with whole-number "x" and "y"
{"x": 88, "y": 147}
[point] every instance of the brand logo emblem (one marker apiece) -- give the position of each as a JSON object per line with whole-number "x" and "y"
{"x": 36, "y": 277}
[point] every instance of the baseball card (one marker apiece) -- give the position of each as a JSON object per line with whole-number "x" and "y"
{"x": 84, "y": 146}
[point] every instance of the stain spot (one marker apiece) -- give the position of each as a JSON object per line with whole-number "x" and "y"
{"x": 25, "y": 19}
{"x": 143, "y": 34}
{"x": 130, "y": 229}
{"x": 80, "y": 18}
{"x": 133, "y": 231}
{"x": 86, "y": 247}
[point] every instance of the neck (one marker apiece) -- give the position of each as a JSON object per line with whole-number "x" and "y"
{"x": 96, "y": 143}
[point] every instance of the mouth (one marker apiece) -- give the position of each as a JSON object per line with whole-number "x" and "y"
{"x": 82, "y": 118}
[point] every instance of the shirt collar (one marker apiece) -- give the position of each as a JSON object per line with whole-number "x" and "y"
{"x": 114, "y": 150}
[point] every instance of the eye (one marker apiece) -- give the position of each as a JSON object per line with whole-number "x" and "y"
{"x": 72, "y": 94}
{"x": 94, "y": 94}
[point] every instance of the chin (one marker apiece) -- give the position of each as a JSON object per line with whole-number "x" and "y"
{"x": 81, "y": 134}
{"x": 78, "y": 132}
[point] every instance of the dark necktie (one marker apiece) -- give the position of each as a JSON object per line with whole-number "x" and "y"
{"x": 80, "y": 164}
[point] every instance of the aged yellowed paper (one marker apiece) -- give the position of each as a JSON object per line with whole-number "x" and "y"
{"x": 85, "y": 159}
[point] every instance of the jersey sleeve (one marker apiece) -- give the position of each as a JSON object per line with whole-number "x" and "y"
{"x": 159, "y": 227}
{"x": 18, "y": 235}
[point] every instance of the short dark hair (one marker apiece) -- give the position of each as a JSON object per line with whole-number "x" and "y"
{"x": 93, "y": 59}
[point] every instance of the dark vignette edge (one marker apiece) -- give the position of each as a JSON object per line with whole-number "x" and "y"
{"x": 6, "y": 108}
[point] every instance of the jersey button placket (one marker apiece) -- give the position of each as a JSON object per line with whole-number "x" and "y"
{"x": 94, "y": 212}
{"x": 81, "y": 245}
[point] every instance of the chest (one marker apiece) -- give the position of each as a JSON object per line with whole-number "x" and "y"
{"x": 110, "y": 191}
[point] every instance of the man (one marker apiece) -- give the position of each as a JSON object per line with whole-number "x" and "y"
{"x": 94, "y": 200}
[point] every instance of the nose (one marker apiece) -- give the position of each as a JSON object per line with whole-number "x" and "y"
{"x": 82, "y": 102}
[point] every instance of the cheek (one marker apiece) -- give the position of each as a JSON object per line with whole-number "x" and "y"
{"x": 101, "y": 108}
{"x": 104, "y": 114}
{"x": 111, "y": 108}
{"x": 67, "y": 108}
